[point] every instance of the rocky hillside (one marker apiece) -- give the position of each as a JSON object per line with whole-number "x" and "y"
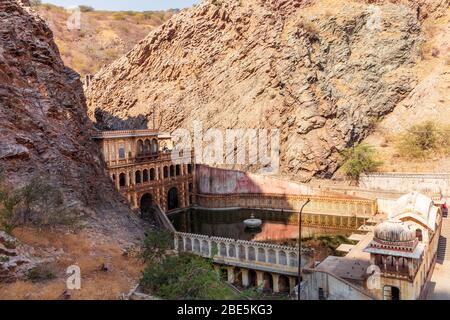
{"x": 103, "y": 35}
{"x": 324, "y": 72}
{"x": 45, "y": 129}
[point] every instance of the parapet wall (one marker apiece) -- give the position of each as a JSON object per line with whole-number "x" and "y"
{"x": 406, "y": 182}
{"x": 220, "y": 181}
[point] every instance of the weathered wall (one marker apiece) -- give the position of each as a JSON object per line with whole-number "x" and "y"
{"x": 333, "y": 287}
{"x": 220, "y": 181}
{"x": 406, "y": 182}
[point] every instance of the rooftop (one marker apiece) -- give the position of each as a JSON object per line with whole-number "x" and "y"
{"x": 128, "y": 134}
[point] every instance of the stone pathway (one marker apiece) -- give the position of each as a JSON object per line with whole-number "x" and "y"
{"x": 440, "y": 281}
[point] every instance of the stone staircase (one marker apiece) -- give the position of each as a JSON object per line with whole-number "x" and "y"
{"x": 444, "y": 241}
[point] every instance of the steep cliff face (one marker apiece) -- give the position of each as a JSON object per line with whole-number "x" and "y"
{"x": 44, "y": 124}
{"x": 323, "y": 72}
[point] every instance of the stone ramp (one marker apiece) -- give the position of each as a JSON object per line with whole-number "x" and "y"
{"x": 444, "y": 242}
{"x": 440, "y": 281}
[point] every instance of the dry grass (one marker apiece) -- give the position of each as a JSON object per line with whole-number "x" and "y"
{"x": 104, "y": 36}
{"x": 86, "y": 251}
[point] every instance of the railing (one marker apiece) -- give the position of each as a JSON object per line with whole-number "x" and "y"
{"x": 249, "y": 254}
{"x": 362, "y": 208}
{"x": 125, "y": 133}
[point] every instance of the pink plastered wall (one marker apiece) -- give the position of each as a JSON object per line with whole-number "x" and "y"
{"x": 221, "y": 181}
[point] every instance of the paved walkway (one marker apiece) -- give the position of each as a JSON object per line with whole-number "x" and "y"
{"x": 440, "y": 281}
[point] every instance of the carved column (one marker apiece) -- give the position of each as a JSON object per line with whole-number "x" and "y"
{"x": 245, "y": 279}
{"x": 230, "y": 273}
{"x": 260, "y": 279}
{"x": 275, "y": 278}
{"x": 127, "y": 178}
{"x": 210, "y": 248}
{"x": 291, "y": 283}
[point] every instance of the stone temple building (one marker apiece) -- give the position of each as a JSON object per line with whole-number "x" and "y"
{"x": 143, "y": 169}
{"x": 394, "y": 261}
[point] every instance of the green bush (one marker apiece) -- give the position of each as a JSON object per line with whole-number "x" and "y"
{"x": 156, "y": 245}
{"x": 358, "y": 160}
{"x": 86, "y": 8}
{"x": 423, "y": 140}
{"x": 40, "y": 274}
{"x": 185, "y": 277}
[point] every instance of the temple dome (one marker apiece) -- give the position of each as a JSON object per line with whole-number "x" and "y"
{"x": 394, "y": 231}
{"x": 417, "y": 206}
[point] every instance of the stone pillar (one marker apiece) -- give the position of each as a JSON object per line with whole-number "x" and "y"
{"x": 136, "y": 205}
{"x": 245, "y": 279}
{"x": 216, "y": 269}
{"x": 117, "y": 181}
{"x": 175, "y": 242}
{"x": 275, "y": 278}
{"x": 291, "y": 284}
{"x": 246, "y": 252}
{"x": 260, "y": 279}
{"x": 277, "y": 258}
{"x": 184, "y": 244}
{"x": 230, "y": 273}
{"x": 210, "y": 248}
{"x": 127, "y": 178}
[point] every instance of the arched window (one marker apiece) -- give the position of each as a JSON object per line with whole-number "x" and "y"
{"x": 189, "y": 168}
{"x": 172, "y": 199}
{"x": 138, "y": 177}
{"x": 152, "y": 174}
{"x": 155, "y": 146}
{"x": 419, "y": 234}
{"x": 122, "y": 180}
{"x": 147, "y": 146}
{"x": 140, "y": 147}
{"x": 178, "y": 170}
{"x": 172, "y": 171}
{"x": 145, "y": 175}
{"x": 166, "y": 172}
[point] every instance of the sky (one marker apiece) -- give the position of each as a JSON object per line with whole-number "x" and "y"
{"x": 125, "y": 5}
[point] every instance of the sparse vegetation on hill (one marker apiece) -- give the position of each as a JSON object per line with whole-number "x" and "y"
{"x": 38, "y": 203}
{"x": 424, "y": 141}
{"x": 104, "y": 35}
{"x": 358, "y": 160}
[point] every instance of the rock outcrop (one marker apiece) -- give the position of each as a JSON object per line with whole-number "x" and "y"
{"x": 323, "y": 72}
{"x": 44, "y": 124}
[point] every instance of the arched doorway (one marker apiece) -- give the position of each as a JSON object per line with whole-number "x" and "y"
{"x": 146, "y": 206}
{"x": 283, "y": 283}
{"x": 267, "y": 282}
{"x": 252, "y": 282}
{"x": 172, "y": 199}
{"x": 391, "y": 293}
{"x": 122, "y": 180}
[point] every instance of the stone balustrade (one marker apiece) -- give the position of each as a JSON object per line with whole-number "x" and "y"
{"x": 240, "y": 253}
{"x": 344, "y": 207}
